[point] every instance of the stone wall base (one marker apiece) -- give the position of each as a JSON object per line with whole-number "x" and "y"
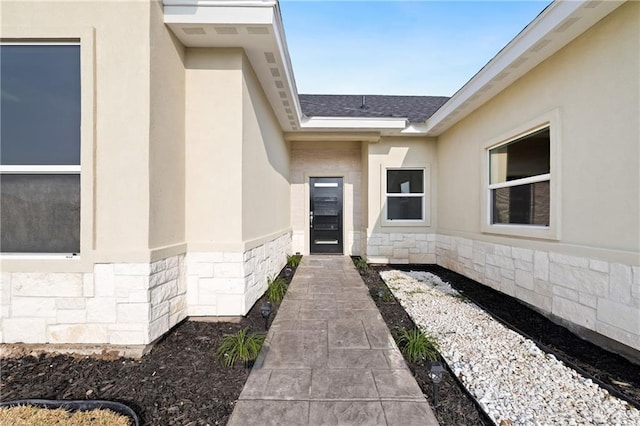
{"x": 228, "y": 283}
{"x": 586, "y": 294}
{"x": 126, "y": 304}
{"x": 596, "y": 299}
{"x": 399, "y": 248}
{"x": 116, "y": 304}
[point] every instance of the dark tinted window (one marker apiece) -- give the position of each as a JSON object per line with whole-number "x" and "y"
{"x": 522, "y": 158}
{"x": 404, "y": 208}
{"x": 522, "y": 204}
{"x": 405, "y": 181}
{"x": 40, "y": 104}
{"x": 40, "y": 213}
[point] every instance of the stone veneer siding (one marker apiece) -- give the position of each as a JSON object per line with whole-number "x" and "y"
{"x": 134, "y": 303}
{"x": 118, "y": 304}
{"x": 596, "y": 295}
{"x": 227, "y": 283}
{"x": 399, "y": 248}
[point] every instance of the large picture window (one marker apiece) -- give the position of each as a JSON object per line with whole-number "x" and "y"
{"x": 519, "y": 182}
{"x": 40, "y": 150}
{"x": 405, "y": 195}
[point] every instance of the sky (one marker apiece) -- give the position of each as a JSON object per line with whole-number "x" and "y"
{"x": 397, "y": 47}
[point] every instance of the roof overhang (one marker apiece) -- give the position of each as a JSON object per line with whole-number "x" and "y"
{"x": 253, "y": 25}
{"x": 256, "y": 27}
{"x": 555, "y": 27}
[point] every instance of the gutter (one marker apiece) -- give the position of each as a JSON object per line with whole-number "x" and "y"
{"x": 352, "y": 123}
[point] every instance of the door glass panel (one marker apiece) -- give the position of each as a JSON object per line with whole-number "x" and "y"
{"x": 326, "y": 206}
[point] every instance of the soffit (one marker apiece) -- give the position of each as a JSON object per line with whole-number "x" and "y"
{"x": 254, "y": 26}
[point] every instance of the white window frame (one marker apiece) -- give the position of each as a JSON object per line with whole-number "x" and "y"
{"x": 423, "y": 194}
{"x": 551, "y": 121}
{"x": 84, "y": 37}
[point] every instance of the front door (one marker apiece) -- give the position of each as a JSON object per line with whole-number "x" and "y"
{"x": 325, "y": 215}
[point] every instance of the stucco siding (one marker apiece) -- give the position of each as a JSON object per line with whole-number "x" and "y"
{"x": 584, "y": 274}
{"x": 115, "y": 119}
{"x": 265, "y": 164}
{"x": 593, "y": 85}
{"x": 213, "y": 200}
{"x": 166, "y": 135}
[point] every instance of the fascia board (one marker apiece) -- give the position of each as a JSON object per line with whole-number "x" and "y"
{"x": 195, "y": 14}
{"x": 220, "y": 3}
{"x": 286, "y": 60}
{"x": 328, "y": 136}
{"x": 549, "y": 19}
{"x": 343, "y": 123}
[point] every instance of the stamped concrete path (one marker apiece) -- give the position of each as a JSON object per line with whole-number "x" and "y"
{"x": 329, "y": 358}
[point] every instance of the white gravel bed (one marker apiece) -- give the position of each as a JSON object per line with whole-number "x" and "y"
{"x": 513, "y": 380}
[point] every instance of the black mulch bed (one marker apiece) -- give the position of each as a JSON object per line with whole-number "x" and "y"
{"x": 614, "y": 370}
{"x": 178, "y": 383}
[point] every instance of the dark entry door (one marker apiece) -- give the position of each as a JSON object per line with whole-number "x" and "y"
{"x": 325, "y": 215}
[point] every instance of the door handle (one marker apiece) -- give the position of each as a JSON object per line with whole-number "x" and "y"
{"x": 311, "y": 219}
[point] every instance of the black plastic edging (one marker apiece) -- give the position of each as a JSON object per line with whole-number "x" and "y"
{"x": 466, "y": 391}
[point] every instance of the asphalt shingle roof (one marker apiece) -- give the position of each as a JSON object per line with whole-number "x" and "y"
{"x": 415, "y": 108}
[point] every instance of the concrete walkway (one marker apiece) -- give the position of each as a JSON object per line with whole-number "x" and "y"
{"x": 329, "y": 358}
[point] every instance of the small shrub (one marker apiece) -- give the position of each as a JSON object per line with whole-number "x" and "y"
{"x": 387, "y": 297}
{"x": 384, "y": 295}
{"x": 460, "y": 297}
{"x": 293, "y": 260}
{"x": 417, "y": 346}
{"x": 276, "y": 290}
{"x": 243, "y": 346}
{"x": 361, "y": 264}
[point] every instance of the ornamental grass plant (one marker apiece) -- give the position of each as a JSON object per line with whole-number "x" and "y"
{"x": 417, "y": 346}
{"x": 276, "y": 289}
{"x": 240, "y": 346}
